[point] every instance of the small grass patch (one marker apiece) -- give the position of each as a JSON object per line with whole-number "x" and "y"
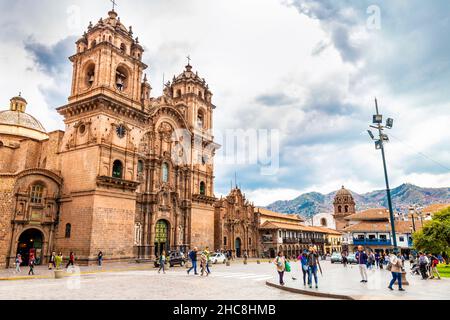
{"x": 444, "y": 270}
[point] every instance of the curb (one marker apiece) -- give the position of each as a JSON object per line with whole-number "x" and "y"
{"x": 310, "y": 293}
{"x": 90, "y": 272}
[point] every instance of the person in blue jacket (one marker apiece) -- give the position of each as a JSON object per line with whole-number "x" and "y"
{"x": 193, "y": 257}
{"x": 361, "y": 257}
{"x": 304, "y": 264}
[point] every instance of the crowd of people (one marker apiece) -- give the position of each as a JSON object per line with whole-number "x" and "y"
{"x": 55, "y": 261}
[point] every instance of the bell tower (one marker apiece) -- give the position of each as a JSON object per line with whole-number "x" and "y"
{"x": 344, "y": 205}
{"x": 108, "y": 61}
{"x": 104, "y": 119}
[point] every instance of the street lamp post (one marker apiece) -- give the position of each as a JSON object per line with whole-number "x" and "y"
{"x": 412, "y": 211}
{"x": 379, "y": 144}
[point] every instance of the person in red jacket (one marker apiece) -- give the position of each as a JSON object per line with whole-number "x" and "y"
{"x": 71, "y": 260}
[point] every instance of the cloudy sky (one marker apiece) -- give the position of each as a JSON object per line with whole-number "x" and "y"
{"x": 307, "y": 68}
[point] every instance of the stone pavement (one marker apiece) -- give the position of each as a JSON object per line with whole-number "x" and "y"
{"x": 42, "y": 272}
{"x": 235, "y": 282}
{"x": 338, "y": 281}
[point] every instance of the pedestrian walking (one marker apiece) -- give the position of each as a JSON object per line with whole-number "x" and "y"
{"x": 193, "y": 257}
{"x": 162, "y": 262}
{"x": 71, "y": 260}
{"x": 59, "y": 260}
{"x": 52, "y": 261}
{"x": 280, "y": 263}
{"x": 203, "y": 264}
{"x": 245, "y": 257}
{"x": 303, "y": 258}
{"x": 429, "y": 264}
{"x": 381, "y": 262}
{"x": 100, "y": 258}
{"x": 423, "y": 262}
{"x": 433, "y": 269}
{"x": 313, "y": 261}
{"x": 18, "y": 262}
{"x": 344, "y": 259}
{"x": 395, "y": 266}
{"x": 377, "y": 260}
{"x": 208, "y": 259}
{"x": 361, "y": 257}
{"x": 31, "y": 264}
{"x": 370, "y": 260}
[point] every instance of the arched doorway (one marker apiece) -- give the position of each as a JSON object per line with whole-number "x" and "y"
{"x": 162, "y": 241}
{"x": 238, "y": 247}
{"x": 30, "y": 244}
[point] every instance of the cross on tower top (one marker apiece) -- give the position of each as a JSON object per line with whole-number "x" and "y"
{"x": 114, "y": 4}
{"x": 189, "y": 60}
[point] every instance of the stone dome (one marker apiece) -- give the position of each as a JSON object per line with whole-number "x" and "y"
{"x": 17, "y": 122}
{"x": 343, "y": 192}
{"x": 17, "y": 118}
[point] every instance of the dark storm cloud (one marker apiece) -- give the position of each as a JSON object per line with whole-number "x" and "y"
{"x": 51, "y": 59}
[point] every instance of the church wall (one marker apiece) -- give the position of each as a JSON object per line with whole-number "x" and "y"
{"x": 79, "y": 169}
{"x": 49, "y": 158}
{"x": 202, "y": 226}
{"x": 113, "y": 226}
{"x": 78, "y": 212}
{"x": 6, "y": 212}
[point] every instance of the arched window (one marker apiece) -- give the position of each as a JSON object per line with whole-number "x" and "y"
{"x": 140, "y": 167}
{"x": 224, "y": 241}
{"x": 339, "y": 209}
{"x": 346, "y": 208}
{"x": 178, "y": 93}
{"x": 200, "y": 119}
{"x": 117, "y": 169}
{"x": 36, "y": 193}
{"x": 123, "y": 48}
{"x": 323, "y": 222}
{"x": 94, "y": 43}
{"x": 165, "y": 172}
{"x": 202, "y": 188}
{"x": 68, "y": 230}
{"x": 121, "y": 78}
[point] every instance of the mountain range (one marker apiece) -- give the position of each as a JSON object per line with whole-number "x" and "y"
{"x": 309, "y": 204}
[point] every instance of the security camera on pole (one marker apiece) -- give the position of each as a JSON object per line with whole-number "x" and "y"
{"x": 379, "y": 145}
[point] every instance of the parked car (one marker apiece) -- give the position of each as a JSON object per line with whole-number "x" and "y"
{"x": 218, "y": 258}
{"x": 351, "y": 259}
{"x": 336, "y": 257}
{"x": 174, "y": 258}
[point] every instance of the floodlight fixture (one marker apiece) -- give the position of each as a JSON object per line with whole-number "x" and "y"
{"x": 389, "y": 123}
{"x": 378, "y": 144}
{"x": 377, "y": 118}
{"x": 371, "y": 134}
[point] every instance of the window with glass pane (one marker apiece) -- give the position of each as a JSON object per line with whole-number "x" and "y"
{"x": 36, "y": 193}
{"x": 165, "y": 172}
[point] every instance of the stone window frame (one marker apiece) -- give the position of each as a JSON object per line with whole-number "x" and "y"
{"x": 68, "y": 231}
{"x": 37, "y": 193}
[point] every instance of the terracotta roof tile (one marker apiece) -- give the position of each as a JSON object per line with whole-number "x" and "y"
{"x": 436, "y": 207}
{"x": 267, "y": 212}
{"x": 370, "y": 214}
{"x": 381, "y": 226}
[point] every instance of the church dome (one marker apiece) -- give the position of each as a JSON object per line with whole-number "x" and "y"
{"x": 343, "y": 192}
{"x": 17, "y": 122}
{"x": 22, "y": 119}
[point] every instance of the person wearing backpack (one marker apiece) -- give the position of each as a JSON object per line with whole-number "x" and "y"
{"x": 433, "y": 269}
{"x": 313, "y": 261}
{"x": 395, "y": 266}
{"x": 280, "y": 263}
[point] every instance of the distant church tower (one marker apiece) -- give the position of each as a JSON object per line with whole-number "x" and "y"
{"x": 344, "y": 205}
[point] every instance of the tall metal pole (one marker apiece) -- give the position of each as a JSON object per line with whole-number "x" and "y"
{"x": 388, "y": 190}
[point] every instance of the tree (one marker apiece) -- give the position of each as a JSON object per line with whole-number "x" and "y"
{"x": 435, "y": 235}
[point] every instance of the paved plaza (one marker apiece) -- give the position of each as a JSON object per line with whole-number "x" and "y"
{"x": 235, "y": 282}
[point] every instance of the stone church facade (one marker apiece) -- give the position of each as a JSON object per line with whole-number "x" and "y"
{"x": 236, "y": 225}
{"x": 131, "y": 175}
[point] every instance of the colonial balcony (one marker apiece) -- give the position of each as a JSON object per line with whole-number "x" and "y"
{"x": 290, "y": 240}
{"x": 372, "y": 242}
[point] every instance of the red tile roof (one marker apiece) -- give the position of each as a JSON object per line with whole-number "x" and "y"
{"x": 370, "y": 215}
